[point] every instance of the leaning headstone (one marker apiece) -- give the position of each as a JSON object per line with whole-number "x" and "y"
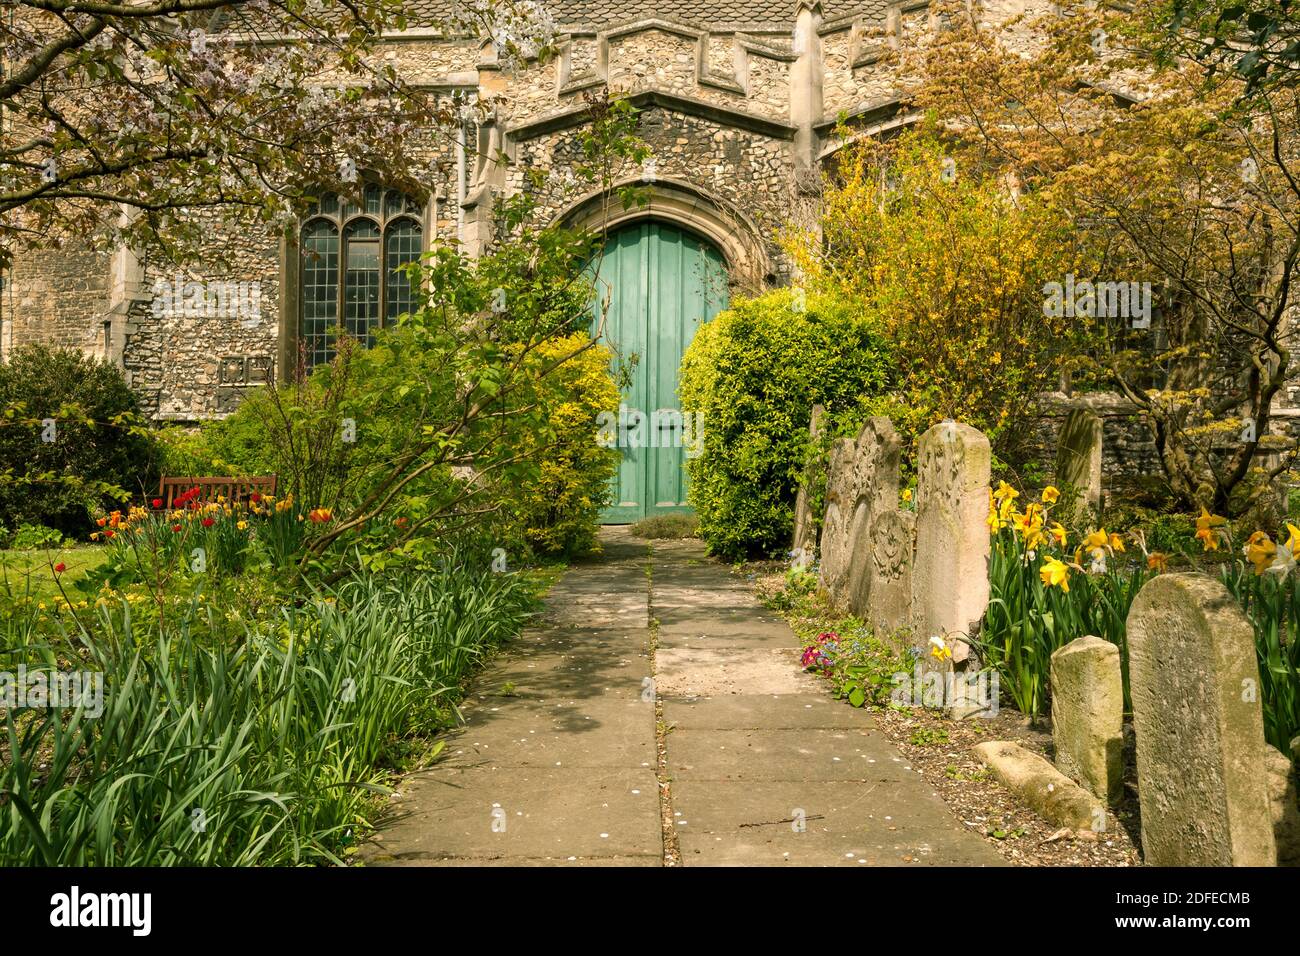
{"x": 840, "y": 497}
{"x": 805, "y": 535}
{"x": 876, "y": 463}
{"x": 950, "y": 578}
{"x": 1088, "y": 715}
{"x": 1194, "y": 682}
{"x": 1078, "y": 464}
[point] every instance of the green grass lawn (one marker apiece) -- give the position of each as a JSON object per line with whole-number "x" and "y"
{"x": 21, "y": 569}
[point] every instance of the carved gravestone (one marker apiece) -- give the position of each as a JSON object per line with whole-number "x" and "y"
{"x": 880, "y": 536}
{"x": 950, "y": 580}
{"x": 876, "y": 457}
{"x": 862, "y": 495}
{"x": 840, "y": 497}
{"x": 1078, "y": 465}
{"x": 1201, "y": 760}
{"x": 805, "y": 535}
{"x": 889, "y": 604}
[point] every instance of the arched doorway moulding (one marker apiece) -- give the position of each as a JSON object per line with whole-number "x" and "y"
{"x": 682, "y": 204}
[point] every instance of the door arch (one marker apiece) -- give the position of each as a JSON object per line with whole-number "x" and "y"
{"x": 662, "y": 282}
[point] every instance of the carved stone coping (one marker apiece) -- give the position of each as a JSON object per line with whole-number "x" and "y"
{"x": 573, "y": 116}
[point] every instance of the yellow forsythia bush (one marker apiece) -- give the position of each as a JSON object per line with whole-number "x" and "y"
{"x": 560, "y": 509}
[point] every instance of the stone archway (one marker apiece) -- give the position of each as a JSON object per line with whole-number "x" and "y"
{"x": 687, "y": 206}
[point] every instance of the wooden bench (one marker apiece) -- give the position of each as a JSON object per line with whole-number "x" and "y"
{"x": 232, "y": 489}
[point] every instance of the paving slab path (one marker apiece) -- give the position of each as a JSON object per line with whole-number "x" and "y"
{"x": 658, "y": 713}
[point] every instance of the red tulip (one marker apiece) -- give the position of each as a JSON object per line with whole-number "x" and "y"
{"x": 60, "y": 568}
{"x": 176, "y": 527}
{"x": 209, "y": 522}
{"x": 157, "y": 502}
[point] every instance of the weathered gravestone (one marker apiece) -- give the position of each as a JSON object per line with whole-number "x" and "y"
{"x": 840, "y": 498}
{"x": 1201, "y": 764}
{"x": 889, "y": 603}
{"x": 1088, "y": 715}
{"x": 950, "y": 577}
{"x": 1078, "y": 465}
{"x": 805, "y": 535}
{"x": 876, "y": 462}
{"x": 866, "y": 544}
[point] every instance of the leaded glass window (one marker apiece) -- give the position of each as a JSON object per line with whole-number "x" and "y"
{"x": 351, "y": 275}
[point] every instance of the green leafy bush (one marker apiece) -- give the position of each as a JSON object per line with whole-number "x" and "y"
{"x": 100, "y": 450}
{"x": 754, "y": 373}
{"x": 36, "y": 536}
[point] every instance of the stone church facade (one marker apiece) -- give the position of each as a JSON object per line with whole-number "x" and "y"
{"x": 738, "y": 100}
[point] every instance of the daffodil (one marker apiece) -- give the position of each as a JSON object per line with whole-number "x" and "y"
{"x": 1059, "y": 534}
{"x": 1157, "y": 561}
{"x": 995, "y": 520}
{"x": 1055, "y": 574}
{"x": 1260, "y": 551}
{"x": 1207, "y": 532}
{"x": 906, "y": 494}
{"x": 939, "y": 649}
{"x": 1117, "y": 543}
{"x": 1005, "y": 492}
{"x": 1050, "y": 495}
{"x": 1283, "y": 560}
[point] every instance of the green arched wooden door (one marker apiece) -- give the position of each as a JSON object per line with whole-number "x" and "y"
{"x": 662, "y": 284}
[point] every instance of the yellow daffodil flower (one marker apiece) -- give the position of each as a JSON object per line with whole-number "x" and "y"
{"x": 1059, "y": 534}
{"x": 1055, "y": 573}
{"x": 1260, "y": 551}
{"x": 1206, "y": 529}
{"x": 1158, "y": 561}
{"x": 1005, "y": 492}
{"x": 1293, "y": 537}
{"x": 1050, "y": 495}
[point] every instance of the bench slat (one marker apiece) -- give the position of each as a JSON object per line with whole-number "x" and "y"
{"x": 234, "y": 489}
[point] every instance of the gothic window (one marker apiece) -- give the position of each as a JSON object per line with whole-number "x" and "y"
{"x": 351, "y": 272}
